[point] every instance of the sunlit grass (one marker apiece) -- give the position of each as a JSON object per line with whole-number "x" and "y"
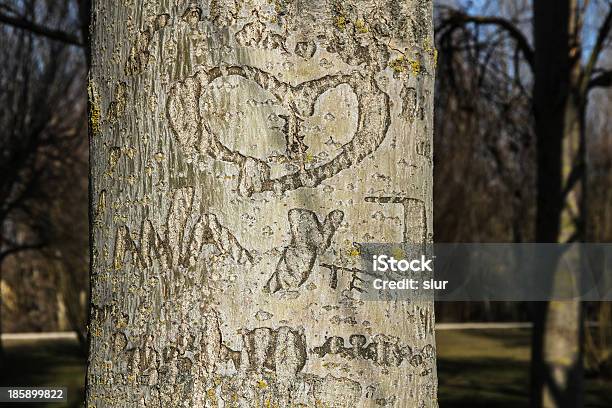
{"x": 490, "y": 368}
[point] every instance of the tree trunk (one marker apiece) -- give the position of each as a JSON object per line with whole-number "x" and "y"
{"x": 1, "y": 310}
{"x": 239, "y": 150}
{"x": 557, "y": 332}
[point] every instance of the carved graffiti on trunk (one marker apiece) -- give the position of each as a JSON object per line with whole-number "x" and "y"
{"x": 194, "y": 133}
{"x": 309, "y": 238}
{"x": 243, "y": 290}
{"x": 382, "y": 350}
{"x": 180, "y": 243}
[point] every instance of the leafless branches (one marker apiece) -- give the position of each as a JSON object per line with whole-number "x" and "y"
{"x": 39, "y": 94}
{"x": 58, "y": 35}
{"x": 603, "y": 78}
{"x": 455, "y": 19}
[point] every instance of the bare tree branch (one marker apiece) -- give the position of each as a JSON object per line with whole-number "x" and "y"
{"x": 603, "y": 79}
{"x": 85, "y": 13}
{"x": 602, "y": 35}
{"x": 458, "y": 18}
{"x": 50, "y": 33}
{"x": 19, "y": 248}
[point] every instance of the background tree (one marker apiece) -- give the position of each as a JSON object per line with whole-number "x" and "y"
{"x": 598, "y": 343}
{"x": 484, "y": 178}
{"x": 42, "y": 110}
{"x": 561, "y": 77}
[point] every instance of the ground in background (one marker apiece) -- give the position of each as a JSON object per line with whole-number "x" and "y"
{"x": 476, "y": 368}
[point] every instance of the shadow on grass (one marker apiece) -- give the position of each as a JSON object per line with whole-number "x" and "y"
{"x": 508, "y": 338}
{"x": 486, "y": 382}
{"x": 45, "y": 363}
{"x": 490, "y": 368}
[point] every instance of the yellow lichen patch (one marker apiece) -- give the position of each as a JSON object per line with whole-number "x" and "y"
{"x": 320, "y": 404}
{"x": 159, "y": 157}
{"x": 278, "y": 7}
{"x": 101, "y": 202}
{"x": 94, "y": 119}
{"x": 398, "y": 253}
{"x": 121, "y": 323}
{"x": 129, "y": 151}
{"x": 212, "y": 396}
{"x": 270, "y": 404}
{"x": 95, "y": 115}
{"x": 398, "y": 65}
{"x": 354, "y": 251}
{"x": 401, "y": 64}
{"x": 433, "y": 51}
{"x": 415, "y": 66}
{"x": 261, "y": 384}
{"x": 95, "y": 331}
{"x": 341, "y": 22}
{"x": 361, "y": 26}
{"x": 309, "y": 157}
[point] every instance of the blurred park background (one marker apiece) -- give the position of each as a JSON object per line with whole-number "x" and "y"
{"x": 485, "y": 186}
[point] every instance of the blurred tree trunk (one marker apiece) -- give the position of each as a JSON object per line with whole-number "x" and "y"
{"x": 557, "y": 373}
{"x": 1, "y": 300}
{"x": 71, "y": 293}
{"x": 238, "y": 152}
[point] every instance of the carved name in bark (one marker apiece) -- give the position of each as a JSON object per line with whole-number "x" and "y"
{"x": 382, "y": 350}
{"x": 182, "y": 239}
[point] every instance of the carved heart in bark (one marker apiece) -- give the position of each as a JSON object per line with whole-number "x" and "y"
{"x": 193, "y": 131}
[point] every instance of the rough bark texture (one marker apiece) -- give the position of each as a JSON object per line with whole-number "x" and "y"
{"x": 559, "y": 117}
{"x": 239, "y": 150}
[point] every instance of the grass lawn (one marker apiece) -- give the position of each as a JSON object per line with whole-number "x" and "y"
{"x": 476, "y": 368}
{"x": 44, "y": 363}
{"x": 490, "y": 368}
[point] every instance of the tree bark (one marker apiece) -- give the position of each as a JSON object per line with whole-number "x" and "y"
{"x": 559, "y": 119}
{"x": 239, "y": 150}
